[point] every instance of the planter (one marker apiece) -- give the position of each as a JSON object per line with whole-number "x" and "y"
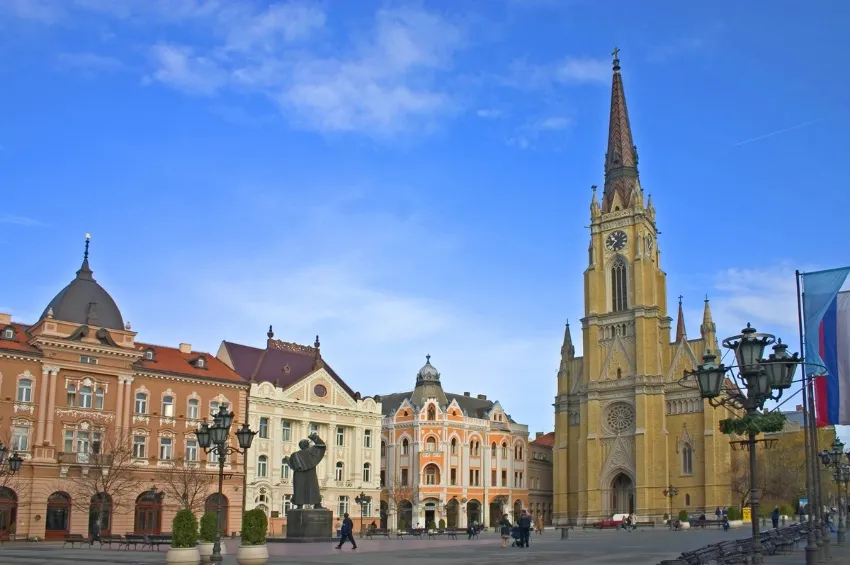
{"x": 206, "y": 549}
{"x": 252, "y": 555}
{"x": 182, "y": 556}
{"x": 736, "y": 523}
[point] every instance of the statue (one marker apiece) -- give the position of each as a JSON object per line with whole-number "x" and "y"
{"x": 305, "y": 482}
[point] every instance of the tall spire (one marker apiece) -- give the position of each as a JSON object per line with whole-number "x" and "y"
{"x": 568, "y": 350}
{"x": 708, "y": 330}
{"x": 621, "y": 174}
{"x": 681, "y": 334}
{"x": 85, "y": 271}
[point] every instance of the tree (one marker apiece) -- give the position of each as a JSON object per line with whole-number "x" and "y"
{"x": 107, "y": 480}
{"x": 397, "y": 492}
{"x": 188, "y": 482}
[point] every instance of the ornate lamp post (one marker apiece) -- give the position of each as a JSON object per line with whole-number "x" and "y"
{"x": 362, "y": 499}
{"x": 213, "y": 439}
{"x": 762, "y": 380}
{"x": 670, "y": 492}
{"x": 9, "y": 464}
{"x": 835, "y": 460}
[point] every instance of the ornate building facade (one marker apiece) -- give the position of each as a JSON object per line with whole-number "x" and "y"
{"x": 625, "y": 429}
{"x": 540, "y": 477}
{"x": 294, "y": 393}
{"x": 450, "y": 457}
{"x": 81, "y": 396}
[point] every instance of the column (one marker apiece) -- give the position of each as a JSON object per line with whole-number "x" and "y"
{"x": 128, "y": 402}
{"x": 119, "y": 406}
{"x": 51, "y": 404}
{"x": 42, "y": 407}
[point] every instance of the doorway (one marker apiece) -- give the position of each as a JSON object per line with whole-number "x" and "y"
{"x": 622, "y": 495}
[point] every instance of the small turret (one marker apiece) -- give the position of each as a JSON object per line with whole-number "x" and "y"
{"x": 708, "y": 330}
{"x": 681, "y": 334}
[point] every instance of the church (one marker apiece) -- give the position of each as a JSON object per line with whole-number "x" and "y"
{"x": 628, "y": 437}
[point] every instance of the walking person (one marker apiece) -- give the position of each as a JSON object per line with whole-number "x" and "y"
{"x": 346, "y": 532}
{"x": 524, "y": 524}
{"x": 539, "y": 524}
{"x": 774, "y": 517}
{"x": 470, "y": 529}
{"x": 505, "y": 529}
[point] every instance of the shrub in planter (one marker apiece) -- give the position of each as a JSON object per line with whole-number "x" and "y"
{"x": 442, "y": 523}
{"x": 254, "y": 526}
{"x": 733, "y": 513}
{"x": 208, "y": 525}
{"x": 683, "y": 515}
{"x": 184, "y": 529}
{"x": 666, "y": 517}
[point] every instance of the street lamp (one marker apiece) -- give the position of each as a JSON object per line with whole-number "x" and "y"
{"x": 213, "y": 439}
{"x": 670, "y": 492}
{"x": 835, "y": 460}
{"x": 762, "y": 380}
{"x": 361, "y": 500}
{"x": 12, "y": 463}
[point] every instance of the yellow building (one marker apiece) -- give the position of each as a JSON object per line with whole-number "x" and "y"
{"x": 624, "y": 429}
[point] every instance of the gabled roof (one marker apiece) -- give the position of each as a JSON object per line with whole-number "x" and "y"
{"x": 19, "y": 342}
{"x": 546, "y": 440}
{"x": 280, "y": 363}
{"x": 173, "y": 361}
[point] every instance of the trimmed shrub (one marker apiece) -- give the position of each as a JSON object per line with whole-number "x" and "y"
{"x": 254, "y": 526}
{"x": 208, "y": 525}
{"x": 683, "y": 515}
{"x": 184, "y": 529}
{"x": 733, "y": 513}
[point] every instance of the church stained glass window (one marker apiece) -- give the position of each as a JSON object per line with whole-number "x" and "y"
{"x": 619, "y": 285}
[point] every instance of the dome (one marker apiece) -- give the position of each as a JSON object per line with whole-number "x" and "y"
{"x": 84, "y": 301}
{"x": 428, "y": 372}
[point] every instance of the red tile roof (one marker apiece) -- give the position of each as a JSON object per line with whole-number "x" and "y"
{"x": 172, "y": 360}
{"x": 546, "y": 440}
{"x": 19, "y": 343}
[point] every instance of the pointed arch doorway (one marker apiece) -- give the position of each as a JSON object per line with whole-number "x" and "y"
{"x": 622, "y": 495}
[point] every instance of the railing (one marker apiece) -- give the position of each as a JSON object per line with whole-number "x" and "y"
{"x": 82, "y": 458}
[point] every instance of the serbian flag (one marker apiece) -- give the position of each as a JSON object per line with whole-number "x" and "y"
{"x": 832, "y": 390}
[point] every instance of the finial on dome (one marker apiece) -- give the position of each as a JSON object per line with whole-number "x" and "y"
{"x": 270, "y": 333}
{"x": 128, "y": 326}
{"x": 86, "y": 253}
{"x": 316, "y": 343}
{"x": 50, "y": 312}
{"x": 428, "y": 359}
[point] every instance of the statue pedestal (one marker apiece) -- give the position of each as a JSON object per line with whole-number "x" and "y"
{"x": 309, "y": 524}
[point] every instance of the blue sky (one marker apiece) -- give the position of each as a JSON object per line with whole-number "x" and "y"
{"x": 412, "y": 178}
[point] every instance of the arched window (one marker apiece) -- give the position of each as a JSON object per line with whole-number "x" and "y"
{"x": 284, "y": 469}
{"x": 493, "y": 449}
{"x": 141, "y": 405}
{"x": 367, "y": 473}
{"x": 432, "y": 475}
{"x": 100, "y": 514}
{"x": 431, "y": 445}
{"x": 432, "y": 412}
{"x": 98, "y": 398}
{"x": 405, "y": 446}
{"x": 25, "y": 390}
{"x": 148, "y": 512}
{"x": 168, "y": 406}
{"x": 58, "y": 520}
{"x": 218, "y": 503}
{"x": 262, "y": 466}
{"x": 85, "y": 397}
{"x": 504, "y": 450}
{"x": 619, "y": 285}
{"x": 383, "y": 448}
{"x": 687, "y": 500}
{"x": 71, "y": 395}
{"x": 454, "y": 446}
{"x": 342, "y": 505}
{"x": 687, "y": 459}
{"x": 339, "y": 471}
{"x": 193, "y": 411}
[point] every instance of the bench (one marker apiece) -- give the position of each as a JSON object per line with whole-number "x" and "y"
{"x": 133, "y": 539}
{"x": 703, "y": 523}
{"x": 6, "y": 537}
{"x": 109, "y": 539}
{"x": 157, "y": 540}
{"x": 75, "y": 539}
{"x": 434, "y": 534}
{"x": 372, "y": 532}
{"x": 413, "y": 533}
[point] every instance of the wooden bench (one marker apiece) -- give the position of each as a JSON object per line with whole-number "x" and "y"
{"x": 704, "y": 523}
{"x": 412, "y": 533}
{"x": 372, "y": 532}
{"x": 109, "y": 539}
{"x": 648, "y": 524}
{"x": 434, "y": 534}
{"x": 75, "y": 539}
{"x": 135, "y": 540}
{"x": 157, "y": 540}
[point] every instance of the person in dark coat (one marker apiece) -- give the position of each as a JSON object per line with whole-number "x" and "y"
{"x": 505, "y": 529}
{"x": 774, "y": 517}
{"x": 524, "y": 524}
{"x": 347, "y": 532}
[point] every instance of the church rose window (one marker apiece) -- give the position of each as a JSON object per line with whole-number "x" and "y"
{"x": 620, "y": 418}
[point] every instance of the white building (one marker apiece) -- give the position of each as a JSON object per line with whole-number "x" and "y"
{"x": 295, "y": 393}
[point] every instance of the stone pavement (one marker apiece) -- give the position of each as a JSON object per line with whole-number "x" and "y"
{"x": 646, "y": 547}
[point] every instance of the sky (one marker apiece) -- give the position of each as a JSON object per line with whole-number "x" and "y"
{"x": 412, "y": 178}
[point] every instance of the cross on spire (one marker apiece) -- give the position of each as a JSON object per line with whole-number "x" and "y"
{"x": 616, "y": 55}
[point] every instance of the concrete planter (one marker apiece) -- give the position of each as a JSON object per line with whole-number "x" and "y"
{"x": 252, "y": 555}
{"x": 182, "y": 556}
{"x": 736, "y": 523}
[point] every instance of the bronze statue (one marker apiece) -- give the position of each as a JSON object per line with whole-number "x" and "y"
{"x": 305, "y": 482}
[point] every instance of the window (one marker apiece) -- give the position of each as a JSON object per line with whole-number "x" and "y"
{"x": 285, "y": 431}
{"x": 141, "y": 403}
{"x": 314, "y": 428}
{"x": 518, "y": 453}
{"x": 383, "y": 479}
{"x": 85, "y": 397}
{"x": 474, "y": 477}
{"x": 383, "y": 448}
{"x": 264, "y": 428}
{"x": 139, "y": 443}
{"x": 619, "y": 286}
{"x": 338, "y": 472}
{"x": 191, "y": 450}
{"x": 168, "y": 406}
{"x": 25, "y": 390}
{"x": 430, "y": 475}
{"x": 284, "y": 469}
{"x": 340, "y": 437}
{"x": 367, "y": 438}
{"x": 88, "y": 360}
{"x": 453, "y": 477}
{"x": 687, "y": 500}
{"x": 366, "y": 510}
{"x": 166, "y": 448}
{"x": 193, "y": 411}
{"x": 20, "y": 438}
{"x": 431, "y": 445}
{"x": 9, "y": 333}
{"x": 504, "y": 451}
{"x": 214, "y": 408}
{"x": 287, "y": 502}
{"x": 200, "y": 363}
{"x": 405, "y": 447}
{"x": 262, "y": 466}
{"x": 69, "y": 441}
{"x": 404, "y": 477}
{"x": 432, "y": 412}
{"x": 342, "y": 506}
{"x": 149, "y": 355}
{"x": 454, "y": 446}
{"x": 493, "y": 449}
{"x": 71, "y": 395}
{"x": 367, "y": 473}
{"x": 475, "y": 448}
{"x": 98, "y": 398}
{"x": 504, "y": 478}
{"x": 687, "y": 460}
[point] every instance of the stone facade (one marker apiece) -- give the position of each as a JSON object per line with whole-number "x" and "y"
{"x": 452, "y": 457}
{"x": 540, "y": 478}
{"x": 625, "y": 428}
{"x": 79, "y": 397}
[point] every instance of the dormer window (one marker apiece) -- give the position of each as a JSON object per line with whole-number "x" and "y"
{"x": 199, "y": 363}
{"x": 149, "y": 355}
{"x": 9, "y": 333}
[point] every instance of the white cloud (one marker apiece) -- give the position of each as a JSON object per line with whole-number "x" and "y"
{"x": 488, "y": 113}
{"x": 292, "y": 21}
{"x": 528, "y": 136}
{"x": 765, "y": 297}
{"x": 575, "y": 69}
{"x": 180, "y": 68}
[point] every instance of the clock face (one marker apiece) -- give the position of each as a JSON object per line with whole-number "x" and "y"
{"x": 616, "y": 240}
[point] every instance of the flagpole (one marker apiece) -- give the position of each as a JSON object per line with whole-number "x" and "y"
{"x": 812, "y": 550}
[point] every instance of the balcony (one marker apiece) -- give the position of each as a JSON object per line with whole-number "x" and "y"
{"x": 71, "y": 458}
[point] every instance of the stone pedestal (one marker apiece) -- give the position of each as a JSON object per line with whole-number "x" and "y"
{"x": 309, "y": 524}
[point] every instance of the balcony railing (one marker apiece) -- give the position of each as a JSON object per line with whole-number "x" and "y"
{"x": 82, "y": 458}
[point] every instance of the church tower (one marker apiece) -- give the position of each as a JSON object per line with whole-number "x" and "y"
{"x": 618, "y": 445}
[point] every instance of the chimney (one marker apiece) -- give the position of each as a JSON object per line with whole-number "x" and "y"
{"x": 185, "y": 348}
{"x": 466, "y": 394}
{"x": 5, "y": 319}
{"x": 482, "y": 397}
{"x": 538, "y": 435}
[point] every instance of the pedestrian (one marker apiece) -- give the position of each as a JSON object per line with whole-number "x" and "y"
{"x": 774, "y": 517}
{"x": 539, "y": 524}
{"x": 505, "y": 530}
{"x": 717, "y": 513}
{"x": 470, "y": 529}
{"x": 346, "y": 532}
{"x": 524, "y": 524}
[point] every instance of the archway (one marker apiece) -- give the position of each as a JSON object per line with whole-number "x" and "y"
{"x": 452, "y": 513}
{"x": 58, "y": 521}
{"x": 405, "y": 515}
{"x": 8, "y": 510}
{"x": 497, "y": 509}
{"x": 622, "y": 495}
{"x": 100, "y": 514}
{"x": 218, "y": 503}
{"x": 517, "y": 509}
{"x": 384, "y": 513}
{"x": 148, "y": 513}
{"x": 473, "y": 511}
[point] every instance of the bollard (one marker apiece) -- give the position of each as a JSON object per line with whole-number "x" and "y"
{"x": 565, "y": 533}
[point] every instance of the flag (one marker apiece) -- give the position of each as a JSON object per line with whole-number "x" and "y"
{"x": 819, "y": 291}
{"x": 832, "y": 390}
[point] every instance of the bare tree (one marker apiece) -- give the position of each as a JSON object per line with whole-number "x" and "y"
{"x": 188, "y": 482}
{"x": 740, "y": 477}
{"x": 107, "y": 476}
{"x": 395, "y": 493}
